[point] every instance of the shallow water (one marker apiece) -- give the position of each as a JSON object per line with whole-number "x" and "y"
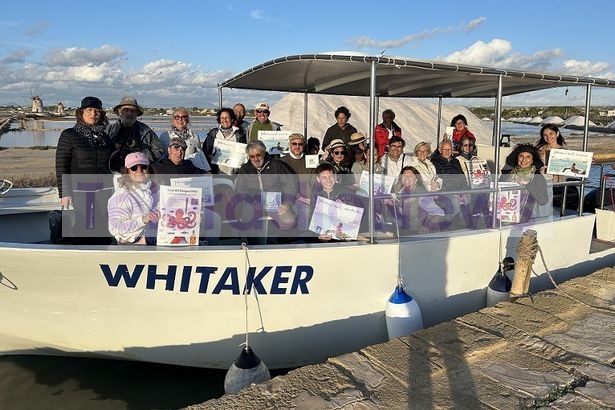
{"x": 35, "y": 382}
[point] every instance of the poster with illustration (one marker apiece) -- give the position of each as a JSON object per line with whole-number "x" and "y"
{"x": 508, "y": 204}
{"x": 180, "y": 216}
{"x": 271, "y": 201}
{"x": 336, "y": 219}
{"x": 204, "y": 182}
{"x": 569, "y": 163}
{"x": 383, "y": 184}
{"x": 275, "y": 141}
{"x": 479, "y": 174}
{"x": 228, "y": 153}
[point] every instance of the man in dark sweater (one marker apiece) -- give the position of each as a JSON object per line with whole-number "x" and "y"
{"x": 297, "y": 162}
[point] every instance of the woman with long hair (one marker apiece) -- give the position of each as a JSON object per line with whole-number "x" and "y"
{"x": 134, "y": 205}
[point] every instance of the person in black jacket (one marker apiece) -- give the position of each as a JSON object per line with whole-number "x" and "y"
{"x": 84, "y": 150}
{"x": 266, "y": 187}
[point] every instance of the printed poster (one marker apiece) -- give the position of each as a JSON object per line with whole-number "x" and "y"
{"x": 271, "y": 201}
{"x": 311, "y": 161}
{"x": 448, "y": 133}
{"x": 509, "y": 203}
{"x": 275, "y": 141}
{"x": 383, "y": 184}
{"x": 229, "y": 153}
{"x": 479, "y": 173}
{"x": 204, "y": 182}
{"x": 180, "y": 216}
{"x": 569, "y": 163}
{"x": 337, "y": 219}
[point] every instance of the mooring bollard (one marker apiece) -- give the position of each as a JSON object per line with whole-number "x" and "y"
{"x": 526, "y": 253}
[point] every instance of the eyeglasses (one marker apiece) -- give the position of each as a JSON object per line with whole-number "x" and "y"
{"x": 177, "y": 146}
{"x": 339, "y": 152}
{"x": 180, "y": 117}
{"x": 468, "y": 145}
{"x": 460, "y": 123}
{"x": 297, "y": 144}
{"x": 142, "y": 167}
{"x": 255, "y": 156}
{"x": 261, "y": 111}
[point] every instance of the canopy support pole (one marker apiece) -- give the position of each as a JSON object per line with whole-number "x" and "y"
{"x": 305, "y": 118}
{"x": 588, "y": 98}
{"x": 219, "y": 97}
{"x": 372, "y": 134}
{"x": 497, "y": 123}
{"x": 439, "y": 128}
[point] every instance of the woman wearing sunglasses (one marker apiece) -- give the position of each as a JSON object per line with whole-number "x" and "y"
{"x": 338, "y": 157}
{"x": 134, "y": 205}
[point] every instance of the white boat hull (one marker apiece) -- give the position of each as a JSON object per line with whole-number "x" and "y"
{"x": 316, "y": 301}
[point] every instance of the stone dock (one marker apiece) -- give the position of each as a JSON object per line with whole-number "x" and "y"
{"x": 556, "y": 349}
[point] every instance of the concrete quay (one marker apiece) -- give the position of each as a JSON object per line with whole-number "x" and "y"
{"x": 556, "y": 349}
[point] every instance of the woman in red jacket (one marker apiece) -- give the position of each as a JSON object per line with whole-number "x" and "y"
{"x": 461, "y": 130}
{"x": 386, "y": 130}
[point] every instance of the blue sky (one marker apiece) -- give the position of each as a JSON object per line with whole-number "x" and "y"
{"x": 176, "y": 54}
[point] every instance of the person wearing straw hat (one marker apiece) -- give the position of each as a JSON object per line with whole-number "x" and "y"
{"x": 337, "y": 155}
{"x": 131, "y": 135}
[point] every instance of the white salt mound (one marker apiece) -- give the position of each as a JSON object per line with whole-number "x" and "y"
{"x": 417, "y": 119}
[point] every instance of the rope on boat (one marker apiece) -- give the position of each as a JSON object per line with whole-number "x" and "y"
{"x": 544, "y": 264}
{"x": 5, "y": 186}
{"x": 246, "y": 291}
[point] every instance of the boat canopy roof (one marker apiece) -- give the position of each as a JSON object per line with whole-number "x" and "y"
{"x": 350, "y": 74}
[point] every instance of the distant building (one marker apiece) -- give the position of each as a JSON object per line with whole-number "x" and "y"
{"x": 60, "y": 109}
{"x": 37, "y": 104}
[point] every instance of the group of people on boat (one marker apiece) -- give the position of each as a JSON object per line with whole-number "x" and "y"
{"x": 126, "y": 162}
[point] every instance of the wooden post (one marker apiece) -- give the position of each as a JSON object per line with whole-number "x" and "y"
{"x": 526, "y": 253}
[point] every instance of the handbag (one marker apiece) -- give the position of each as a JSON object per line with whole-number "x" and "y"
{"x": 60, "y": 225}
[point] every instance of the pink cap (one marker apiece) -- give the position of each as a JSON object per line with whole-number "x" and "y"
{"x": 135, "y": 158}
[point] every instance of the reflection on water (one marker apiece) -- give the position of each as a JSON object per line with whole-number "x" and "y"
{"x": 46, "y": 132}
{"x": 77, "y": 383}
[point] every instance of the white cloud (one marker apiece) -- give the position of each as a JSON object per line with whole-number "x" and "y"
{"x": 260, "y": 15}
{"x": 368, "y": 42}
{"x": 37, "y": 29}
{"x": 587, "y": 68}
{"x": 481, "y": 53}
{"x": 18, "y": 56}
{"x": 472, "y": 25}
{"x": 79, "y": 56}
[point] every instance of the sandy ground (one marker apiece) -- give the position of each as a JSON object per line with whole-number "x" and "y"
{"x": 22, "y": 165}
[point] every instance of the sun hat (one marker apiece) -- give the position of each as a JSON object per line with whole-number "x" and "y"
{"x": 128, "y": 101}
{"x": 91, "y": 102}
{"x": 336, "y": 143}
{"x": 356, "y": 138}
{"x": 296, "y": 136}
{"x": 135, "y": 158}
{"x": 262, "y": 106}
{"x": 178, "y": 141}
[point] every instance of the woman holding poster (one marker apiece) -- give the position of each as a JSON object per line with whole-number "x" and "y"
{"x": 523, "y": 167}
{"x": 134, "y": 205}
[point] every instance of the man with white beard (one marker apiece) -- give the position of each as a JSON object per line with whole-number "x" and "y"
{"x": 130, "y": 135}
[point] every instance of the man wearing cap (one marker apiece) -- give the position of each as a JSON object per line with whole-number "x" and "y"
{"x": 174, "y": 165}
{"x": 174, "y": 162}
{"x": 130, "y": 135}
{"x": 261, "y": 122}
{"x": 296, "y": 161}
